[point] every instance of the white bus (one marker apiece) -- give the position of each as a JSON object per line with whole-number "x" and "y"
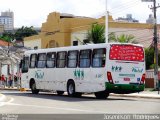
{"x": 99, "y": 68}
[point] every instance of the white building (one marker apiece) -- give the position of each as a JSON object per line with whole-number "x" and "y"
{"x": 7, "y": 19}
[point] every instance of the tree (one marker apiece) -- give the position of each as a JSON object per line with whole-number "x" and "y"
{"x": 25, "y": 32}
{"x": 7, "y": 36}
{"x": 149, "y": 58}
{"x": 96, "y": 34}
{"x": 122, "y": 38}
{"x": 19, "y": 34}
{"x": 149, "y": 55}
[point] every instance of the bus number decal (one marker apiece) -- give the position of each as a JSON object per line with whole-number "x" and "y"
{"x": 99, "y": 75}
{"x": 116, "y": 68}
{"x": 79, "y": 74}
{"x": 39, "y": 74}
{"x": 137, "y": 69}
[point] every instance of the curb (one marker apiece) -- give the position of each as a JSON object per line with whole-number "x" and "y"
{"x": 17, "y": 89}
{"x": 9, "y": 88}
{"x": 136, "y": 96}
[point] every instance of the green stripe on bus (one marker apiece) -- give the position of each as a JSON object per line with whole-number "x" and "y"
{"x": 128, "y": 75}
{"x": 133, "y": 87}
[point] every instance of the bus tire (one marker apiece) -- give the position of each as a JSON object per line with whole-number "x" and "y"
{"x": 71, "y": 89}
{"x": 60, "y": 92}
{"x": 34, "y": 89}
{"x": 101, "y": 95}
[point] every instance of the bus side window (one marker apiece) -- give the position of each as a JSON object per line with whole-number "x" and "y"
{"x": 99, "y": 57}
{"x": 33, "y": 60}
{"x": 25, "y": 64}
{"x": 61, "y": 59}
{"x": 41, "y": 63}
{"x": 85, "y": 58}
{"x": 72, "y": 59}
{"x": 51, "y": 60}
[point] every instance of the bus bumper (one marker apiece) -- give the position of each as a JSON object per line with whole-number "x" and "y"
{"x": 123, "y": 88}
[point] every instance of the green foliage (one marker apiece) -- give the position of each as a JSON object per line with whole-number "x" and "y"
{"x": 152, "y": 66}
{"x": 121, "y": 38}
{"x": 7, "y": 36}
{"x": 96, "y": 34}
{"x": 19, "y": 35}
{"x": 111, "y": 37}
{"x": 149, "y": 57}
{"x": 25, "y": 32}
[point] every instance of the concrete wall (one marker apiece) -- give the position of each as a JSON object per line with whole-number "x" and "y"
{"x": 33, "y": 42}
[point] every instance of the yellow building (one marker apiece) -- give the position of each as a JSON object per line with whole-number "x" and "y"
{"x": 56, "y": 31}
{"x": 66, "y": 30}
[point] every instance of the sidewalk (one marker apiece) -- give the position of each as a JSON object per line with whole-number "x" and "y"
{"x": 144, "y": 94}
{"x": 9, "y": 88}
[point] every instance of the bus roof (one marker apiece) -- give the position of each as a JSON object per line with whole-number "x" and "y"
{"x": 90, "y": 46}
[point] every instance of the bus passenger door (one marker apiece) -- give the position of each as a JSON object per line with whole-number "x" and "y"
{"x": 24, "y": 66}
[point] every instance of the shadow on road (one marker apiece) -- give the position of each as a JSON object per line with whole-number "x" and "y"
{"x": 65, "y": 97}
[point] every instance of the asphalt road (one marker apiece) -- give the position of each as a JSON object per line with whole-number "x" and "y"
{"x": 25, "y": 103}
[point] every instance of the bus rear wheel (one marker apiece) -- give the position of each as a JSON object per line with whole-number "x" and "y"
{"x": 71, "y": 89}
{"x": 60, "y": 92}
{"x": 34, "y": 89}
{"x": 101, "y": 95}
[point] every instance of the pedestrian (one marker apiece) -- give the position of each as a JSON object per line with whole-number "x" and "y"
{"x": 15, "y": 80}
{"x": 3, "y": 80}
{"x": 0, "y": 81}
{"x": 10, "y": 80}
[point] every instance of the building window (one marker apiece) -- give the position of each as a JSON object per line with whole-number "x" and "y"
{"x": 41, "y": 63}
{"x": 75, "y": 43}
{"x": 61, "y": 59}
{"x": 35, "y": 47}
{"x": 85, "y": 58}
{"x": 99, "y": 57}
{"x": 33, "y": 60}
{"x": 51, "y": 60}
{"x": 72, "y": 59}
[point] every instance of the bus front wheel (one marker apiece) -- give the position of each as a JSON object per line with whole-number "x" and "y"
{"x": 101, "y": 95}
{"x": 34, "y": 89}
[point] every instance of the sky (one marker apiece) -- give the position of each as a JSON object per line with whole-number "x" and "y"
{"x": 34, "y": 12}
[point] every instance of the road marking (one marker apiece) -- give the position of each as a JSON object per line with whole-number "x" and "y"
{"x": 2, "y": 97}
{"x": 5, "y": 103}
{"x": 58, "y": 108}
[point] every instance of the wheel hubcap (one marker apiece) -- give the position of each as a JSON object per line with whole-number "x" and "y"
{"x": 70, "y": 89}
{"x": 34, "y": 86}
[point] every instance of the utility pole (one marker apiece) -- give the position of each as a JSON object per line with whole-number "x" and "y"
{"x": 155, "y": 40}
{"x": 8, "y": 66}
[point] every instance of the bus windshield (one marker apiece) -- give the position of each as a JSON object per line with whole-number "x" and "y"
{"x": 126, "y": 53}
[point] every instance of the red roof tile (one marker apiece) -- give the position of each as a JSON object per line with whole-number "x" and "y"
{"x": 4, "y": 43}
